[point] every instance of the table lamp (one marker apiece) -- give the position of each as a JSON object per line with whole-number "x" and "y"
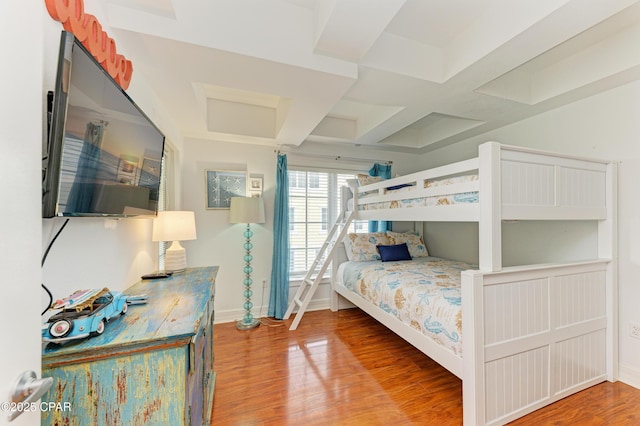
{"x": 247, "y": 210}
{"x": 174, "y": 226}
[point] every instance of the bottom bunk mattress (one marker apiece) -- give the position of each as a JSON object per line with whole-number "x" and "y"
{"x": 423, "y": 293}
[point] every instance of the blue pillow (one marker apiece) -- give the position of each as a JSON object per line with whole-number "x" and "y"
{"x": 394, "y": 252}
{"x": 402, "y": 185}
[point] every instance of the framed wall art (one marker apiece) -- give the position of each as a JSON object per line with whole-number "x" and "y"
{"x": 128, "y": 170}
{"x": 255, "y": 186}
{"x": 221, "y": 185}
{"x": 150, "y": 173}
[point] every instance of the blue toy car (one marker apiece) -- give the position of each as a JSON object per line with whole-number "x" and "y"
{"x": 72, "y": 323}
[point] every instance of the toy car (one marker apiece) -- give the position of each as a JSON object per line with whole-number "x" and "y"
{"x": 88, "y": 318}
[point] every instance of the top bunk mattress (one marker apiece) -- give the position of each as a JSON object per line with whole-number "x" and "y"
{"x": 423, "y": 293}
{"x": 406, "y": 196}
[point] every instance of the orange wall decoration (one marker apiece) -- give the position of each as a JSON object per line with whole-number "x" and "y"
{"x": 88, "y": 30}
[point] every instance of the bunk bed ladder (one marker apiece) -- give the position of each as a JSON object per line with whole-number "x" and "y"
{"x": 319, "y": 266}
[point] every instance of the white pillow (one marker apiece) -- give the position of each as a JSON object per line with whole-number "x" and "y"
{"x": 414, "y": 241}
{"x": 367, "y": 180}
{"x": 363, "y": 246}
{"x": 348, "y": 248}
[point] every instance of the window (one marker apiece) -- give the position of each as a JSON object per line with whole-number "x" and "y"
{"x": 325, "y": 219}
{"x": 314, "y": 180}
{"x": 297, "y": 180}
{"x": 292, "y": 215}
{"x": 314, "y": 203}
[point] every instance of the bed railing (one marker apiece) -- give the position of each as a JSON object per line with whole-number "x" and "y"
{"x": 418, "y": 179}
{"x": 514, "y": 183}
{"x": 368, "y": 196}
{"x": 525, "y": 184}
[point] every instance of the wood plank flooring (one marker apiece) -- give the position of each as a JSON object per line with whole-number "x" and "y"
{"x": 344, "y": 368}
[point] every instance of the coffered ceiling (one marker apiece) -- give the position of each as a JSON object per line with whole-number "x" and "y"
{"x": 402, "y": 75}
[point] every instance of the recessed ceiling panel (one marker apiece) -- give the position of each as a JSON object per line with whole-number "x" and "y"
{"x": 436, "y": 22}
{"x": 336, "y": 128}
{"x": 430, "y": 129}
{"x": 605, "y": 50}
{"x": 350, "y": 120}
{"x": 241, "y": 113}
{"x": 241, "y": 119}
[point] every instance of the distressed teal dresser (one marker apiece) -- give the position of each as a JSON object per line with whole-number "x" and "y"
{"x": 152, "y": 366}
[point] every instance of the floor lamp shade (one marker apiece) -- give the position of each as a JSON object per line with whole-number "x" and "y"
{"x": 247, "y": 210}
{"x": 174, "y": 226}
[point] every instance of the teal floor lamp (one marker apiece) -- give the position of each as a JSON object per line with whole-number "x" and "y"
{"x": 247, "y": 210}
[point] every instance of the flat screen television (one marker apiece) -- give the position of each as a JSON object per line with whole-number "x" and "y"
{"x": 104, "y": 155}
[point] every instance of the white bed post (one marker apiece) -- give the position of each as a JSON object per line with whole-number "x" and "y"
{"x": 608, "y": 249}
{"x": 350, "y": 192}
{"x": 490, "y": 225}
{"x": 334, "y": 299}
{"x": 473, "y": 383}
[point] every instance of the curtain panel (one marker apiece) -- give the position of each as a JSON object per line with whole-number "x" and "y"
{"x": 279, "y": 296}
{"x": 384, "y": 171}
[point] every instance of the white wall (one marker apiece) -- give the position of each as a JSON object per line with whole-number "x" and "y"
{"x": 20, "y": 187}
{"x": 603, "y": 126}
{"x": 551, "y": 242}
{"x": 220, "y": 243}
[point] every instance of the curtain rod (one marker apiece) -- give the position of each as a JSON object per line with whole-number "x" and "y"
{"x": 333, "y": 157}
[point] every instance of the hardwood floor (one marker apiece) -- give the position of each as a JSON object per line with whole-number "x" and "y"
{"x": 344, "y": 368}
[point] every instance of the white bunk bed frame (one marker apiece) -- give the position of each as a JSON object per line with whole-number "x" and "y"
{"x": 527, "y": 342}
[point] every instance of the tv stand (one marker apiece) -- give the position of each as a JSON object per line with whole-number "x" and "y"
{"x": 152, "y": 366}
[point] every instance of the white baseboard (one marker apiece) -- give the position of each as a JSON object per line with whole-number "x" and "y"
{"x": 233, "y": 315}
{"x": 629, "y": 375}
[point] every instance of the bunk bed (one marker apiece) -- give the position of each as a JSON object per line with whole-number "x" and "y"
{"x": 530, "y": 335}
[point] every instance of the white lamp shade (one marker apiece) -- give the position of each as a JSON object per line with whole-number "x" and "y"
{"x": 174, "y": 226}
{"x": 246, "y": 210}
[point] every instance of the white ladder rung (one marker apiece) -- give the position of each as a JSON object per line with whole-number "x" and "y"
{"x": 314, "y": 265}
{"x": 311, "y": 281}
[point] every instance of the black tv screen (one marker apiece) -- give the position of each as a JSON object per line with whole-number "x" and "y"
{"x": 104, "y": 155}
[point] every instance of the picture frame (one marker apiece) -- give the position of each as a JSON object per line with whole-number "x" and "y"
{"x": 150, "y": 173}
{"x": 128, "y": 170}
{"x": 221, "y": 185}
{"x": 255, "y": 186}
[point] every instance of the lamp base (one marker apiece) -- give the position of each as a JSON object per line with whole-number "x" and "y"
{"x": 241, "y": 325}
{"x": 175, "y": 258}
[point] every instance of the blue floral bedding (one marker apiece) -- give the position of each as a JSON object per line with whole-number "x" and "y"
{"x": 412, "y": 201}
{"x": 423, "y": 292}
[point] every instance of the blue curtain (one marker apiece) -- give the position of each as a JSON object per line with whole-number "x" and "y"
{"x": 84, "y": 184}
{"x": 279, "y": 297}
{"x": 384, "y": 171}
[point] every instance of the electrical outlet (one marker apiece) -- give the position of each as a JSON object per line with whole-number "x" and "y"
{"x": 634, "y": 330}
